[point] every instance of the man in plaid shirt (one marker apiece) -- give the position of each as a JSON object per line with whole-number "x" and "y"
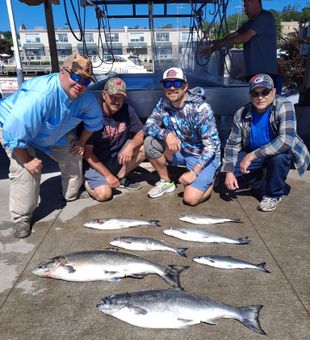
{"x": 264, "y": 135}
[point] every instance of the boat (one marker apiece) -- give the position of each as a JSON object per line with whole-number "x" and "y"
{"x": 120, "y": 63}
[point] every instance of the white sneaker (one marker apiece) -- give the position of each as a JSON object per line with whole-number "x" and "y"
{"x": 161, "y": 187}
{"x": 269, "y": 203}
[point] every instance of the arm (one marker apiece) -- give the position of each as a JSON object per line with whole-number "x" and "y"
{"x": 78, "y": 146}
{"x": 127, "y": 152}
{"x": 95, "y": 163}
{"x": 154, "y": 122}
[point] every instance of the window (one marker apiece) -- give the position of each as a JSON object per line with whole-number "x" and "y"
{"x": 112, "y": 37}
{"x": 33, "y": 38}
{"x": 136, "y": 37}
{"x": 185, "y": 36}
{"x": 89, "y": 37}
{"x": 61, "y": 37}
{"x": 162, "y": 36}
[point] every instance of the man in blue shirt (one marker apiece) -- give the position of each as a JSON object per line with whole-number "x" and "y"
{"x": 258, "y": 36}
{"x": 264, "y": 136}
{"x": 182, "y": 131}
{"x": 42, "y": 115}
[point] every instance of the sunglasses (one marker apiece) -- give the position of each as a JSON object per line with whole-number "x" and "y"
{"x": 263, "y": 93}
{"x": 78, "y": 79}
{"x": 175, "y": 83}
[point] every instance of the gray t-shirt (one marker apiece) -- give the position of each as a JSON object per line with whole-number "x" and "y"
{"x": 260, "y": 53}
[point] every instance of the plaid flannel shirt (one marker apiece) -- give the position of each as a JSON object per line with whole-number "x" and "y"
{"x": 283, "y": 125}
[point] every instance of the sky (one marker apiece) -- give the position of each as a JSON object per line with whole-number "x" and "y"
{"x": 33, "y": 16}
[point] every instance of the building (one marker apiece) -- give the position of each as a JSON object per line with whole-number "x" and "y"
{"x": 168, "y": 43}
{"x": 289, "y": 28}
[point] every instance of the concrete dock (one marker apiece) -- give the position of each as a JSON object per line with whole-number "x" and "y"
{"x": 41, "y": 308}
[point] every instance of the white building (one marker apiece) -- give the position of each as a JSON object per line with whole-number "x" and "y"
{"x": 168, "y": 43}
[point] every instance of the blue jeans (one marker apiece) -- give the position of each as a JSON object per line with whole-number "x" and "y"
{"x": 277, "y": 168}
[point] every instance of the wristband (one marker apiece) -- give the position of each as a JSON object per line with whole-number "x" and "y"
{"x": 194, "y": 172}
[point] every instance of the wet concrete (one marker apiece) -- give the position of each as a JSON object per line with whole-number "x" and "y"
{"x": 38, "y": 308}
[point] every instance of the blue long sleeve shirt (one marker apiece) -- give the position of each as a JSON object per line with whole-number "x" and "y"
{"x": 41, "y": 114}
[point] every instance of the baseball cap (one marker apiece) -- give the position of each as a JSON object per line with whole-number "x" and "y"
{"x": 174, "y": 73}
{"x": 115, "y": 85}
{"x": 261, "y": 80}
{"x": 80, "y": 65}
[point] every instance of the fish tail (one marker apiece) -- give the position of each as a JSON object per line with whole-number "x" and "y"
{"x": 182, "y": 251}
{"x": 261, "y": 266}
{"x": 244, "y": 240}
{"x": 236, "y": 220}
{"x": 172, "y": 275}
{"x": 249, "y": 317}
{"x": 154, "y": 223}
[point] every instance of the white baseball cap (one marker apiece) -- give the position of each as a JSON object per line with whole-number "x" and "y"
{"x": 174, "y": 73}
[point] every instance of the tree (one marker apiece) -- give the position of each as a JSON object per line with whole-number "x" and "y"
{"x": 168, "y": 26}
{"x": 5, "y": 47}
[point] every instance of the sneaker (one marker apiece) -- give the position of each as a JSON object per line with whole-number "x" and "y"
{"x": 161, "y": 188}
{"x": 269, "y": 203}
{"x": 126, "y": 183}
{"x": 22, "y": 229}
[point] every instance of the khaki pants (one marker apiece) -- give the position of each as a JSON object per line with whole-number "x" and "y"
{"x": 25, "y": 187}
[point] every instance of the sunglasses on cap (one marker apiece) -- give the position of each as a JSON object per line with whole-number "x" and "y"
{"x": 263, "y": 93}
{"x": 175, "y": 83}
{"x": 78, "y": 79}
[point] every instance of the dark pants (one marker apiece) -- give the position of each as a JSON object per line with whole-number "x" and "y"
{"x": 276, "y": 167}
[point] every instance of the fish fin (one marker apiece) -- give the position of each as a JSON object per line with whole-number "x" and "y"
{"x": 236, "y": 220}
{"x": 210, "y": 321}
{"x": 249, "y": 317}
{"x": 186, "y": 322}
{"x": 112, "y": 249}
{"x": 261, "y": 266}
{"x": 137, "y": 310}
{"x": 244, "y": 240}
{"x": 70, "y": 269}
{"x": 155, "y": 223}
{"x": 172, "y": 275}
{"x": 137, "y": 276}
{"x": 182, "y": 252}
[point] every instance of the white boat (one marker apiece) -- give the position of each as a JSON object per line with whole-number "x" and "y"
{"x": 124, "y": 63}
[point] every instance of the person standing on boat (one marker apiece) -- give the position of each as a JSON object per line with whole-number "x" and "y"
{"x": 42, "y": 115}
{"x": 112, "y": 152}
{"x": 264, "y": 136}
{"x": 258, "y": 36}
{"x": 182, "y": 131}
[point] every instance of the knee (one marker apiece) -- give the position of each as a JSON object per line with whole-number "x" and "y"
{"x": 103, "y": 196}
{"x": 190, "y": 198}
{"x": 153, "y": 148}
{"x": 280, "y": 159}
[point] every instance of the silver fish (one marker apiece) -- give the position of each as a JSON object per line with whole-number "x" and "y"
{"x": 228, "y": 262}
{"x": 105, "y": 265}
{"x": 171, "y": 308}
{"x": 207, "y": 219}
{"x": 119, "y": 223}
{"x": 200, "y": 235}
{"x": 145, "y": 243}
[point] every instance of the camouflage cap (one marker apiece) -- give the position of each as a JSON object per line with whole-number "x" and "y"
{"x": 115, "y": 85}
{"x": 80, "y": 65}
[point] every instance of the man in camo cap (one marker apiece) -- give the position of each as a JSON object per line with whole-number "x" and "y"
{"x": 114, "y": 151}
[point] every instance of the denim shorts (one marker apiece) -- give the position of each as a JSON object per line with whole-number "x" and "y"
{"x": 205, "y": 178}
{"x": 95, "y": 179}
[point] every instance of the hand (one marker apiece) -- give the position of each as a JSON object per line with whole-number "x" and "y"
{"x": 209, "y": 48}
{"x": 231, "y": 181}
{"x": 173, "y": 143}
{"x": 34, "y": 166}
{"x": 187, "y": 178}
{"x": 112, "y": 181}
{"x": 125, "y": 156}
{"x": 246, "y": 162}
{"x": 77, "y": 148}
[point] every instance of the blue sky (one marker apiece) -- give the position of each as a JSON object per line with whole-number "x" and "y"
{"x": 33, "y": 16}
